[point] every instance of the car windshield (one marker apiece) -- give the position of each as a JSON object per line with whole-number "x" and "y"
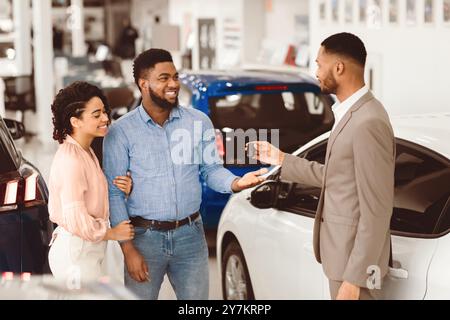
{"x": 299, "y": 116}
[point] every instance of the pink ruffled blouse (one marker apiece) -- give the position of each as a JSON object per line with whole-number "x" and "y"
{"x": 78, "y": 192}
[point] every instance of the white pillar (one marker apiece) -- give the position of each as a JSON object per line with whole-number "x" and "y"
{"x": 43, "y": 67}
{"x": 77, "y": 27}
{"x": 22, "y": 39}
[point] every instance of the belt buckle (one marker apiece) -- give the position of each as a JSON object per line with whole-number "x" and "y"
{"x": 177, "y": 223}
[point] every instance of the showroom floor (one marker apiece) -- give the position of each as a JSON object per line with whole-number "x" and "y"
{"x": 41, "y": 155}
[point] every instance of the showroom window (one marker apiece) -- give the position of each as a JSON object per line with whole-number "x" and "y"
{"x": 422, "y": 188}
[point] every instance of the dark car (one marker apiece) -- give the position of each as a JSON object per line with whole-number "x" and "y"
{"x": 25, "y": 228}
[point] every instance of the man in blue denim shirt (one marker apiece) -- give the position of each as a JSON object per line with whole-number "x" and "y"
{"x": 165, "y": 147}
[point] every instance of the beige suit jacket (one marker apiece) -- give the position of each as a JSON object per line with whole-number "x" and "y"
{"x": 351, "y": 229}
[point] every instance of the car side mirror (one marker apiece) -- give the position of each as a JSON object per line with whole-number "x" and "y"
{"x": 16, "y": 128}
{"x": 266, "y": 195}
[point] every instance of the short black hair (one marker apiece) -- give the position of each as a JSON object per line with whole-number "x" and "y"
{"x": 148, "y": 59}
{"x": 71, "y": 102}
{"x": 348, "y": 45}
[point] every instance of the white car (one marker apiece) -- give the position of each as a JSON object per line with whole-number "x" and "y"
{"x": 268, "y": 253}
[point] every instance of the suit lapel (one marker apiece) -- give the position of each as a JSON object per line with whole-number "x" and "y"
{"x": 368, "y": 96}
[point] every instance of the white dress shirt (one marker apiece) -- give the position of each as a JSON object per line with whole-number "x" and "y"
{"x": 341, "y": 108}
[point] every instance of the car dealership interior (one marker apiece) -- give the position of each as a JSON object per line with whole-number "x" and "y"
{"x": 238, "y": 71}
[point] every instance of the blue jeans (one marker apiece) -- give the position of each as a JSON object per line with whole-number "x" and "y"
{"x": 181, "y": 253}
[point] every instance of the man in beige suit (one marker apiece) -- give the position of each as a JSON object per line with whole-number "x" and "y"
{"x": 351, "y": 230}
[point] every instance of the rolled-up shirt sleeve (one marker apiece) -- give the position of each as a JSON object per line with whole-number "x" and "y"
{"x": 116, "y": 163}
{"x": 76, "y": 218}
{"x": 211, "y": 169}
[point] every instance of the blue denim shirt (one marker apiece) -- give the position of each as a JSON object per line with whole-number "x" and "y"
{"x": 165, "y": 164}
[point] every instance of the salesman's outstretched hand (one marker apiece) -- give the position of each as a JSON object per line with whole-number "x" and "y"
{"x": 264, "y": 152}
{"x": 249, "y": 180}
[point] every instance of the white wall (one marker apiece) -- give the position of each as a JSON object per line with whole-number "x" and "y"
{"x": 280, "y": 20}
{"x": 411, "y": 63}
{"x": 144, "y": 10}
{"x": 254, "y": 22}
{"x": 186, "y": 14}
{"x": 270, "y": 21}
{"x": 143, "y": 13}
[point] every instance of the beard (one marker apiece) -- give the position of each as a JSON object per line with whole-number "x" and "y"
{"x": 161, "y": 102}
{"x": 328, "y": 85}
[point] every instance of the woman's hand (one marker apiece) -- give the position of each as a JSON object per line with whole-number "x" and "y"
{"x": 122, "y": 232}
{"x": 124, "y": 183}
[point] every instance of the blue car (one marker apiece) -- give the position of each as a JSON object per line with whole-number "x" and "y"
{"x": 290, "y": 103}
{"x": 25, "y": 228}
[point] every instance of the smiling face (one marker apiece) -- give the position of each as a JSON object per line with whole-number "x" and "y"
{"x": 94, "y": 120}
{"x": 162, "y": 85}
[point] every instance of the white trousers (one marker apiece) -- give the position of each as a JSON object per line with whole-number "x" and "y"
{"x": 73, "y": 259}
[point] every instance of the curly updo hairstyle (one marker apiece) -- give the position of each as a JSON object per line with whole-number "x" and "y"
{"x": 71, "y": 102}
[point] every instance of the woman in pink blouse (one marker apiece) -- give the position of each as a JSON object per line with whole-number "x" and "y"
{"x": 78, "y": 191}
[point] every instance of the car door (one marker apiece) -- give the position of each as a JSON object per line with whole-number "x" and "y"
{"x": 422, "y": 187}
{"x": 285, "y": 234}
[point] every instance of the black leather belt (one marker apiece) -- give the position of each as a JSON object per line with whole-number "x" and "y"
{"x": 162, "y": 225}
